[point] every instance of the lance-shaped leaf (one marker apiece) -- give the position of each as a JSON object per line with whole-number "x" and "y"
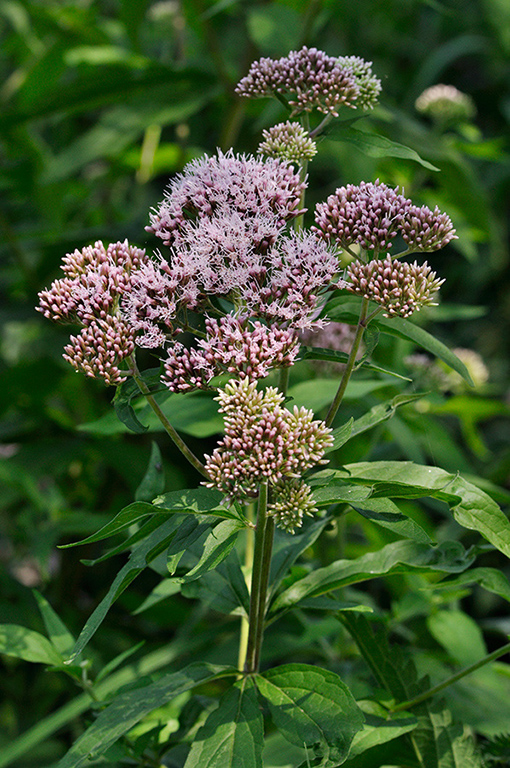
{"x": 287, "y": 548}
{"x": 216, "y": 547}
{"x": 129, "y": 708}
{"x": 125, "y": 393}
{"x": 375, "y": 145}
{"x": 29, "y": 645}
{"x": 490, "y": 579}
{"x": 57, "y": 631}
{"x": 346, "y": 309}
{"x": 397, "y": 557}
{"x": 312, "y": 707}
{"x": 233, "y": 735}
{"x": 336, "y": 356}
{"x": 223, "y": 589}
{"x": 471, "y": 507}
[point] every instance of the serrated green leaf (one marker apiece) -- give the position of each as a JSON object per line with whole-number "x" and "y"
{"x": 471, "y": 507}
{"x": 233, "y": 735}
{"x": 153, "y": 482}
{"x": 313, "y": 707}
{"x": 130, "y": 707}
{"x": 378, "y": 729}
{"x": 27, "y": 644}
{"x": 397, "y": 557}
{"x": 57, "y": 631}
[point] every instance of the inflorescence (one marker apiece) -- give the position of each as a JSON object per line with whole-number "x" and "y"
{"x": 445, "y": 104}
{"x": 265, "y": 442}
{"x": 310, "y": 79}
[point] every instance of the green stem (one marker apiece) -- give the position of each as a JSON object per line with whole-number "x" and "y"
{"x": 264, "y": 583}
{"x": 248, "y": 565}
{"x": 360, "y": 330}
{"x": 258, "y": 579}
{"x": 453, "y": 679}
{"x": 169, "y": 429}
{"x": 283, "y": 382}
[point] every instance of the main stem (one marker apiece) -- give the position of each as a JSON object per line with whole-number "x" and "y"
{"x": 258, "y": 584}
{"x": 349, "y": 367}
{"x": 169, "y": 429}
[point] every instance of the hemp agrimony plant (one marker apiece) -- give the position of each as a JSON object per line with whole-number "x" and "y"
{"x": 230, "y": 306}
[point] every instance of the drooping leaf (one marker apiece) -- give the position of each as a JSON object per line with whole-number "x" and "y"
{"x": 233, "y": 734}
{"x": 471, "y": 507}
{"x": 57, "y": 631}
{"x": 346, "y": 309}
{"x": 130, "y": 707}
{"x": 27, "y": 644}
{"x": 122, "y": 401}
{"x": 133, "y": 513}
{"x": 153, "y": 482}
{"x": 397, "y": 557}
{"x": 142, "y": 555}
{"x": 223, "y": 589}
{"x": 313, "y": 707}
{"x": 336, "y": 356}
{"x": 490, "y": 579}
{"x": 374, "y": 145}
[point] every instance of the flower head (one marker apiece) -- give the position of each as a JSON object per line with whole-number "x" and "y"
{"x": 234, "y": 345}
{"x": 399, "y": 287}
{"x": 99, "y": 349}
{"x": 291, "y": 500}
{"x": 445, "y": 104}
{"x": 372, "y": 215}
{"x": 288, "y": 141}
{"x": 263, "y": 440}
{"x": 230, "y": 183}
{"x": 311, "y": 79}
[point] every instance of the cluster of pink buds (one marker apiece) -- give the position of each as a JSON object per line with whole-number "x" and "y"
{"x": 291, "y": 500}
{"x": 399, "y": 287}
{"x": 310, "y": 79}
{"x": 96, "y": 279}
{"x": 247, "y": 349}
{"x": 372, "y": 215}
{"x": 264, "y": 442}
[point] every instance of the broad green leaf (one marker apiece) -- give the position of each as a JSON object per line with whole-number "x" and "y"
{"x": 397, "y": 557}
{"x": 384, "y": 512}
{"x": 57, "y": 631}
{"x": 442, "y": 743}
{"x": 378, "y": 729}
{"x": 216, "y": 547}
{"x": 129, "y": 708}
{"x": 374, "y": 145}
{"x": 371, "y": 418}
{"x": 153, "y": 482}
{"x": 459, "y": 634}
{"x": 489, "y": 578}
{"x": 313, "y": 707}
{"x": 147, "y": 551}
{"x": 23, "y": 643}
{"x": 233, "y": 734}
{"x": 471, "y": 507}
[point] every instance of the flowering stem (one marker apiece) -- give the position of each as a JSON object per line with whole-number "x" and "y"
{"x": 360, "y": 330}
{"x": 265, "y": 569}
{"x": 259, "y": 579}
{"x": 171, "y": 432}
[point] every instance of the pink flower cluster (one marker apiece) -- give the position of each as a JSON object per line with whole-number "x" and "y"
{"x": 310, "y": 79}
{"x": 372, "y": 215}
{"x": 96, "y": 279}
{"x": 264, "y": 442}
{"x": 399, "y": 287}
{"x": 245, "y": 348}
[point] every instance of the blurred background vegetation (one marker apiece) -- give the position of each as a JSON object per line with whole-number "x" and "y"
{"x": 100, "y": 103}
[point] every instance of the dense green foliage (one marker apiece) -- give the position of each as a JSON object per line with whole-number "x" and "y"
{"x": 101, "y": 103}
